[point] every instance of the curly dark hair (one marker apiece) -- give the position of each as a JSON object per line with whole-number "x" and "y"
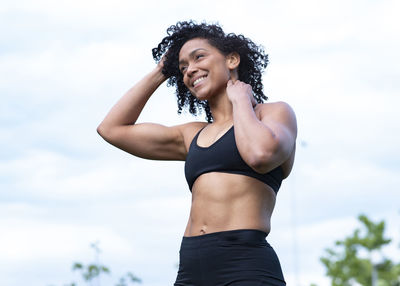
{"x": 253, "y": 60}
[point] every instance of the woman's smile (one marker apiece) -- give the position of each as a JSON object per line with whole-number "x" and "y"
{"x": 198, "y": 80}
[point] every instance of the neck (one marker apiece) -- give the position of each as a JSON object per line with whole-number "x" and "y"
{"x": 221, "y": 109}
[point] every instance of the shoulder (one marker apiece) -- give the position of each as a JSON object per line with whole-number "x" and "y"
{"x": 274, "y": 109}
{"x": 279, "y": 112}
{"x": 191, "y": 127}
{"x": 189, "y": 130}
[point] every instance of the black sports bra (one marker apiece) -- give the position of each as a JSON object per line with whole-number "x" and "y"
{"x": 223, "y": 156}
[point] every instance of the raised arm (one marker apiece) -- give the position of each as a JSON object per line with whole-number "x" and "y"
{"x": 265, "y": 135}
{"x": 146, "y": 140}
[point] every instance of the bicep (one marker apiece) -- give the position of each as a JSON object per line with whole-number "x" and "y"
{"x": 149, "y": 141}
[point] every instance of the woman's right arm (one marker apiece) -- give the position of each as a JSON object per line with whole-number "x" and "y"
{"x": 146, "y": 140}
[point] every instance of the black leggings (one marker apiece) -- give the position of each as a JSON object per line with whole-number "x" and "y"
{"x": 234, "y": 258}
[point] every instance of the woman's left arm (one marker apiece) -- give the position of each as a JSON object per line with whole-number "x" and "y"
{"x": 265, "y": 134}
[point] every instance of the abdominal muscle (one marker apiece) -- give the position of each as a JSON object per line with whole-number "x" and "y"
{"x": 223, "y": 201}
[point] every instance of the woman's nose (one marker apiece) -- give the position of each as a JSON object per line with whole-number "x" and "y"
{"x": 191, "y": 70}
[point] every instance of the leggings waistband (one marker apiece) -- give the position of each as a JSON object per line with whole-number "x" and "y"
{"x": 229, "y": 235}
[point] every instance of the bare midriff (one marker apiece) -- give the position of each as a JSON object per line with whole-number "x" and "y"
{"x": 224, "y": 201}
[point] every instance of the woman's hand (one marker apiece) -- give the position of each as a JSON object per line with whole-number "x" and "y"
{"x": 161, "y": 62}
{"x": 160, "y": 65}
{"x": 238, "y": 90}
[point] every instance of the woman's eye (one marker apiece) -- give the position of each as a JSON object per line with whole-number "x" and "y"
{"x": 183, "y": 69}
{"x": 199, "y": 56}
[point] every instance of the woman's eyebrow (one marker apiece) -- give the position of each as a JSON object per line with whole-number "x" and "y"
{"x": 191, "y": 55}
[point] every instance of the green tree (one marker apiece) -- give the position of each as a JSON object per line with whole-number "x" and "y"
{"x": 358, "y": 259}
{"x": 91, "y": 272}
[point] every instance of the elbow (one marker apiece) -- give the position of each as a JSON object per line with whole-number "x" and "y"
{"x": 103, "y": 131}
{"x": 100, "y": 130}
{"x": 261, "y": 161}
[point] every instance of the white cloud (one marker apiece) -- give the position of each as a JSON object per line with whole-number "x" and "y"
{"x": 50, "y": 175}
{"x": 30, "y": 240}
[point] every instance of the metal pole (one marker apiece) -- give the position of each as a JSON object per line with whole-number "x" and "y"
{"x": 374, "y": 275}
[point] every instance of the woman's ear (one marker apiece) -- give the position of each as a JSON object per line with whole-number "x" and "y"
{"x": 233, "y": 60}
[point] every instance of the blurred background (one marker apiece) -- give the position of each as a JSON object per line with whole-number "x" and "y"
{"x": 63, "y": 64}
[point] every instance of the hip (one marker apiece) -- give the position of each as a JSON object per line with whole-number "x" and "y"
{"x": 228, "y": 258}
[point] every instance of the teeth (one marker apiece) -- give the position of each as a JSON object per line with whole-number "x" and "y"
{"x": 198, "y": 80}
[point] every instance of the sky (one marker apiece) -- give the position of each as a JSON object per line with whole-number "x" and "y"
{"x": 63, "y": 64}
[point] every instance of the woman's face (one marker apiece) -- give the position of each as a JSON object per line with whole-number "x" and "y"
{"x": 204, "y": 68}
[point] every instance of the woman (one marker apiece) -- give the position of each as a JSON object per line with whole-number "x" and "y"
{"x": 235, "y": 162}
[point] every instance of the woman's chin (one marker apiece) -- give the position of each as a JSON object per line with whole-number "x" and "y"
{"x": 200, "y": 95}
{"x": 202, "y": 98}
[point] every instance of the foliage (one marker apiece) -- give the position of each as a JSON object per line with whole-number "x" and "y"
{"x": 353, "y": 261}
{"x": 92, "y": 272}
{"x": 131, "y": 277}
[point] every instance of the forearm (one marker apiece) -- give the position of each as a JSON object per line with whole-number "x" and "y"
{"x": 127, "y": 110}
{"x": 255, "y": 140}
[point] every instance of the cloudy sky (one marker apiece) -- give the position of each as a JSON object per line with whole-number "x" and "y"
{"x": 63, "y": 64}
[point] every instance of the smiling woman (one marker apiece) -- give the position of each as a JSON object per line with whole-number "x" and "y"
{"x": 235, "y": 162}
{"x": 204, "y": 69}
{"x": 253, "y": 60}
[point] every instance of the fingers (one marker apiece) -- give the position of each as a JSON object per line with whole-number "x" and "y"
{"x": 253, "y": 101}
{"x": 233, "y": 82}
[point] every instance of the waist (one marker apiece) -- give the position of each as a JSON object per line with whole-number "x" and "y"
{"x": 232, "y": 236}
